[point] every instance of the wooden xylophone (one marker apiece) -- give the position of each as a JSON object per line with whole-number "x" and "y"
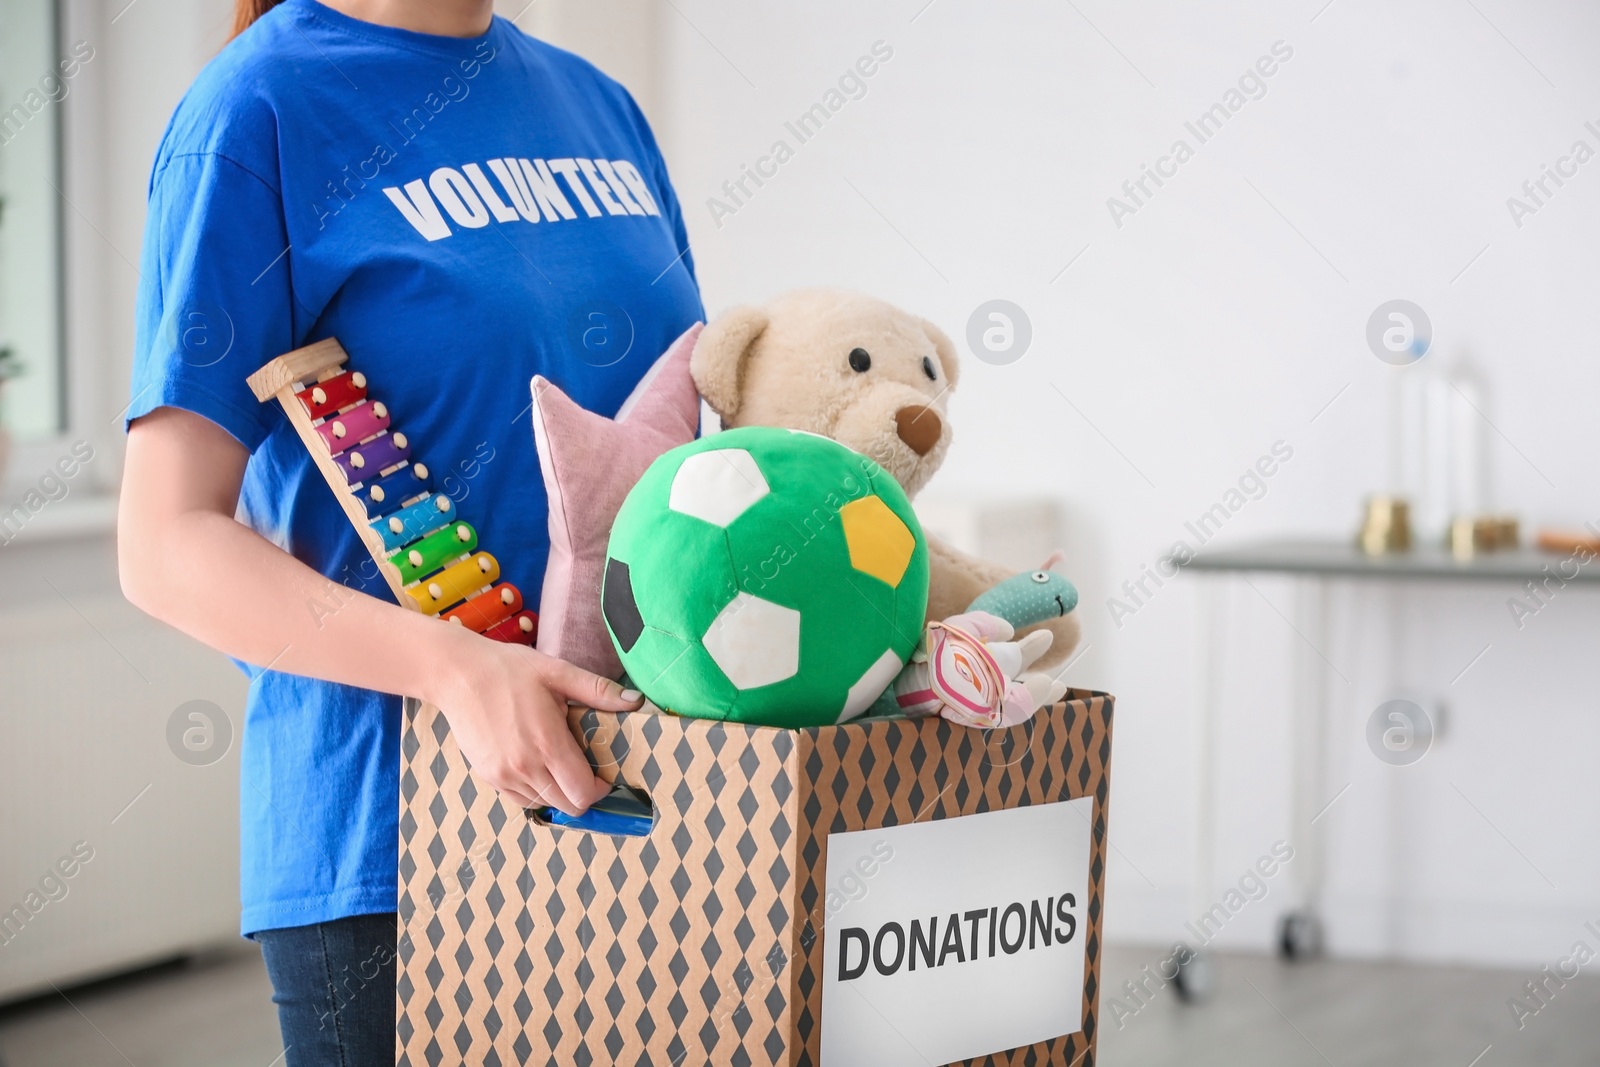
{"x": 427, "y": 554}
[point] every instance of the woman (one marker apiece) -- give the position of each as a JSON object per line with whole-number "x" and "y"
{"x": 461, "y": 206}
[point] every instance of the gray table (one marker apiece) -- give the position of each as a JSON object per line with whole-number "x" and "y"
{"x": 1339, "y": 559}
{"x": 1316, "y": 565}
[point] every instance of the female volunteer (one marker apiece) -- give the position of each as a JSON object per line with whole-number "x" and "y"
{"x": 461, "y": 206}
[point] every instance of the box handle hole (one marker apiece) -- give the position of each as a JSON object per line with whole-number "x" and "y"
{"x": 624, "y": 812}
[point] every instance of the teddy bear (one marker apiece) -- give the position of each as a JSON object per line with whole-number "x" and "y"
{"x": 873, "y": 377}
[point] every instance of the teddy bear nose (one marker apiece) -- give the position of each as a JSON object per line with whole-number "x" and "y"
{"x": 919, "y": 427}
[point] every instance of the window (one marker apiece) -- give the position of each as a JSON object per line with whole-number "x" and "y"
{"x": 32, "y": 399}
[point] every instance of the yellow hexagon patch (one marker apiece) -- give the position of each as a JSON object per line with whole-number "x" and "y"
{"x": 880, "y": 544}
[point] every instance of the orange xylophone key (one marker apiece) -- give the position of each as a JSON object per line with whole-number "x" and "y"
{"x": 487, "y": 609}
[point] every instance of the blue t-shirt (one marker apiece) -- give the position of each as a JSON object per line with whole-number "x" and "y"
{"x": 460, "y": 214}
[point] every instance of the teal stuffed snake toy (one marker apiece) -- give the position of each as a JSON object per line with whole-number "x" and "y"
{"x": 1028, "y": 598}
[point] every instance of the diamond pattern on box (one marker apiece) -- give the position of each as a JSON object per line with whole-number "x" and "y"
{"x": 521, "y": 943}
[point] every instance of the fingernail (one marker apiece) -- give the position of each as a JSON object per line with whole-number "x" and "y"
{"x": 632, "y": 694}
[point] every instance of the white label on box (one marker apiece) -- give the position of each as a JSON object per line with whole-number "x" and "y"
{"x": 956, "y": 938}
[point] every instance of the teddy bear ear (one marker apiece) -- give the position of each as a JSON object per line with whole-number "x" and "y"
{"x": 947, "y": 352}
{"x": 719, "y": 357}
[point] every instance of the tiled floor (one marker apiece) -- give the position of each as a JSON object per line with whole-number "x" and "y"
{"x": 1266, "y": 1012}
{"x": 214, "y": 1011}
{"x": 217, "y": 1012}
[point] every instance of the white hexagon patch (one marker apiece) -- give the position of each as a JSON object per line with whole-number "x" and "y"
{"x": 717, "y": 486}
{"x": 870, "y": 685}
{"x": 755, "y": 642}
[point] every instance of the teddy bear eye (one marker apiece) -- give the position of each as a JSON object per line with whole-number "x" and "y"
{"x": 860, "y": 360}
{"x": 927, "y": 368}
{"x": 1041, "y": 577}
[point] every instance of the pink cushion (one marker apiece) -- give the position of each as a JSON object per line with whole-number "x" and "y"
{"x": 589, "y": 463}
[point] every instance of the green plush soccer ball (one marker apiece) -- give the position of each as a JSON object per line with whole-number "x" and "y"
{"x": 765, "y": 576}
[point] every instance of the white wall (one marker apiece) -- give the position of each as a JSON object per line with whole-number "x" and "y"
{"x": 618, "y": 36}
{"x": 88, "y": 683}
{"x": 1222, "y": 317}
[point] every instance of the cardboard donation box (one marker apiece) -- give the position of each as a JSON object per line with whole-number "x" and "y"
{"x": 878, "y": 893}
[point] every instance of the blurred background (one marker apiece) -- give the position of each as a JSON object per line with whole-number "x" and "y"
{"x": 1370, "y": 267}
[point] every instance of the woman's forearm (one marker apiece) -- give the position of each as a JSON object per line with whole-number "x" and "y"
{"x": 226, "y": 586}
{"x": 186, "y": 560}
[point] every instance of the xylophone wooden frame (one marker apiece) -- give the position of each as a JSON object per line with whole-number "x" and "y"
{"x": 281, "y": 379}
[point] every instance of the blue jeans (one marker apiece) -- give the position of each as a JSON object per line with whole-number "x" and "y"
{"x": 334, "y": 984}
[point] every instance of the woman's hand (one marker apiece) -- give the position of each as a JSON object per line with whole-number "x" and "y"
{"x": 507, "y": 706}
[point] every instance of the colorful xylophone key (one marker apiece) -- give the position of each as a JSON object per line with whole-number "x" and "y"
{"x": 337, "y": 392}
{"x": 349, "y": 428}
{"x": 368, "y": 460}
{"x": 394, "y": 491}
{"x": 487, "y": 609}
{"x": 455, "y": 583}
{"x": 521, "y": 628}
{"x": 432, "y": 552}
{"x": 415, "y": 521}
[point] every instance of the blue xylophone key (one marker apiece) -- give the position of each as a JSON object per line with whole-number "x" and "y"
{"x": 410, "y": 523}
{"x": 389, "y": 493}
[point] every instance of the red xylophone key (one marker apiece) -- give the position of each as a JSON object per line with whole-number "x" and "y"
{"x": 521, "y": 628}
{"x": 337, "y": 392}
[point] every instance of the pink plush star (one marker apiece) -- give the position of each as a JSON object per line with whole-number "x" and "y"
{"x": 589, "y": 463}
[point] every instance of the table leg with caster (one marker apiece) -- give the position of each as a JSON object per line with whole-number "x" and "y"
{"x": 1196, "y": 973}
{"x": 1300, "y": 934}
{"x": 1196, "y": 976}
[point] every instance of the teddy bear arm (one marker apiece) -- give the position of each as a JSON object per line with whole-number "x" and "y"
{"x": 956, "y": 579}
{"x": 1067, "y": 631}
